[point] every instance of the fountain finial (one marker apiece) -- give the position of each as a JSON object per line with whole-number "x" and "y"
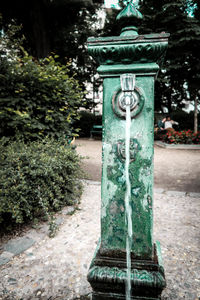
{"x": 129, "y": 17}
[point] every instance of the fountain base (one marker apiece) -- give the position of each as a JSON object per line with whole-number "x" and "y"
{"x": 107, "y": 276}
{"x": 112, "y": 296}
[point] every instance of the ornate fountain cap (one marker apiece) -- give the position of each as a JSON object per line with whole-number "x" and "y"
{"x": 129, "y": 17}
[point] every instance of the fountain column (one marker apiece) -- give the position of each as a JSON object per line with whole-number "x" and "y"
{"x": 139, "y": 55}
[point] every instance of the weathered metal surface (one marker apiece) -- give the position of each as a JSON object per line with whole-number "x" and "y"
{"x": 132, "y": 49}
{"x": 139, "y": 55}
{"x": 113, "y": 232}
{"x": 129, "y": 12}
{"x": 136, "y": 105}
{"x": 107, "y": 277}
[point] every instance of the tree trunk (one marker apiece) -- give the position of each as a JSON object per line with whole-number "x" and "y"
{"x": 196, "y": 114}
{"x": 38, "y": 23}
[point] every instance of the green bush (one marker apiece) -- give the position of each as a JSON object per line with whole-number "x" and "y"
{"x": 185, "y": 120}
{"x": 86, "y": 121}
{"x": 37, "y": 178}
{"x": 37, "y": 98}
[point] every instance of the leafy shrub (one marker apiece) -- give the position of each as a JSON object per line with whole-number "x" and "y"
{"x": 37, "y": 98}
{"x": 36, "y": 179}
{"x": 182, "y": 137}
{"x": 86, "y": 121}
{"x": 185, "y": 120}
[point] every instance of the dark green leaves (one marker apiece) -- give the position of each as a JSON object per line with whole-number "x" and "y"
{"x": 37, "y": 98}
{"x": 36, "y": 179}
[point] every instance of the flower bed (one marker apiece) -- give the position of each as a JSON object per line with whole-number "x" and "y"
{"x": 182, "y": 137}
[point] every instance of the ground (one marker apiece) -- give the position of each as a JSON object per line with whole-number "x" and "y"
{"x": 56, "y": 268}
{"x": 176, "y": 170}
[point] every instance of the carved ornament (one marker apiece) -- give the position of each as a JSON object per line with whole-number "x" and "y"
{"x": 141, "y": 49}
{"x": 152, "y": 279}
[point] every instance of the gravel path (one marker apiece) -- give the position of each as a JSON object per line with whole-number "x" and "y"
{"x": 177, "y": 170}
{"x": 56, "y": 268}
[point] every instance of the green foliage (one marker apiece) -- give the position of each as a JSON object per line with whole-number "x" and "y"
{"x": 37, "y": 98}
{"x": 185, "y": 120}
{"x": 182, "y": 137}
{"x": 61, "y": 27}
{"x": 180, "y": 76}
{"x": 37, "y": 179}
{"x": 71, "y": 40}
{"x": 86, "y": 121}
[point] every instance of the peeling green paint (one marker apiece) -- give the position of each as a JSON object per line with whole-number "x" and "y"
{"x": 113, "y": 234}
{"x": 117, "y": 55}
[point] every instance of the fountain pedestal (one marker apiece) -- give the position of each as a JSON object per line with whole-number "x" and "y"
{"x": 128, "y": 53}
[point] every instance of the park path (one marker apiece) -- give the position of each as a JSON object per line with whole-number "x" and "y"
{"x": 175, "y": 170}
{"x": 56, "y": 268}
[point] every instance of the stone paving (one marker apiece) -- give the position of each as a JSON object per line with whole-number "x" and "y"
{"x": 56, "y": 268}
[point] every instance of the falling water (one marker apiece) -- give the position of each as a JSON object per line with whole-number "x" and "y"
{"x": 128, "y": 209}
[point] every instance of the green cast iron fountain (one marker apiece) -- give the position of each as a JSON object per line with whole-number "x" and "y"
{"x": 126, "y": 257}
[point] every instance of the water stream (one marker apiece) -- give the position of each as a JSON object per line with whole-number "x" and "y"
{"x": 128, "y": 210}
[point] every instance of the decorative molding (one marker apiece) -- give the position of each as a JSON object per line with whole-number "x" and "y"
{"x": 114, "y": 275}
{"x": 117, "y": 296}
{"x": 119, "y": 107}
{"x": 134, "y": 148}
{"x": 144, "y": 49}
{"x": 129, "y": 12}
